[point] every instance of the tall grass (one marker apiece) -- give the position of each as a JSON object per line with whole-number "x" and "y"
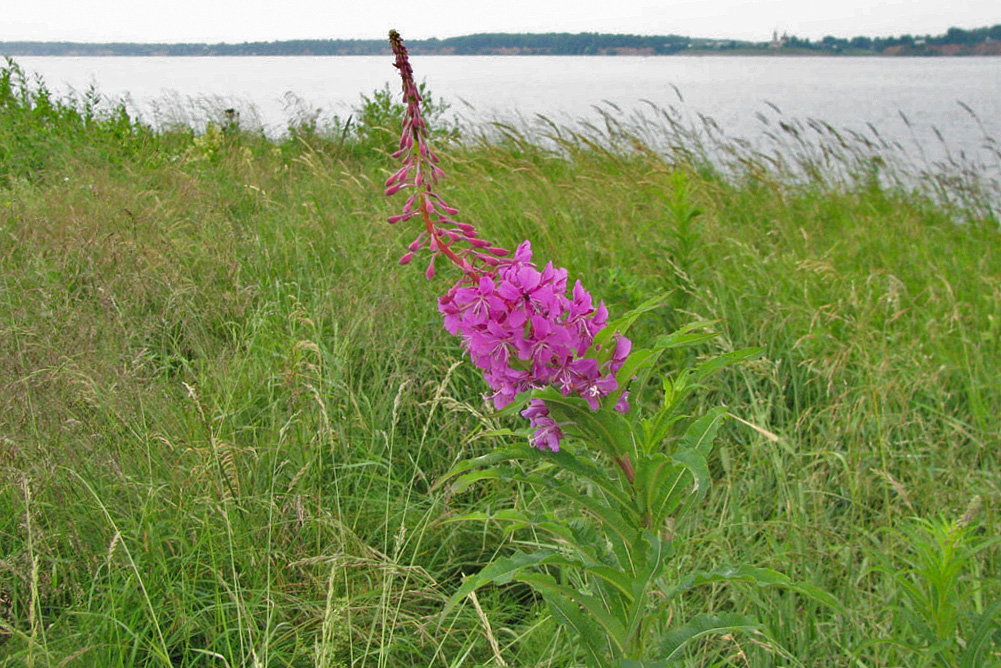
{"x": 223, "y": 406}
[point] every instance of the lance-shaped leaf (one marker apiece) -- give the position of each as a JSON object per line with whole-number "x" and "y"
{"x": 701, "y": 434}
{"x": 638, "y": 360}
{"x": 606, "y": 429}
{"x": 621, "y": 325}
{"x": 671, "y": 487}
{"x": 619, "y": 532}
{"x": 713, "y": 365}
{"x": 504, "y": 570}
{"x": 591, "y": 605}
{"x": 761, "y": 577}
{"x": 581, "y": 628}
{"x": 653, "y": 553}
{"x": 986, "y": 628}
{"x": 599, "y": 477}
{"x": 688, "y": 335}
{"x": 697, "y": 627}
{"x": 513, "y": 452}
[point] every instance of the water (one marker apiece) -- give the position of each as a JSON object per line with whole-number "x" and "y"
{"x": 862, "y": 94}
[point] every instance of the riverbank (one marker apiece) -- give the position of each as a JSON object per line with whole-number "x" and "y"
{"x": 223, "y": 405}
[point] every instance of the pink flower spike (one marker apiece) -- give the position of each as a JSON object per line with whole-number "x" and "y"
{"x": 517, "y": 324}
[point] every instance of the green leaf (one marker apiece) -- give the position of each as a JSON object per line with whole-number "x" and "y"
{"x": 985, "y": 629}
{"x": 622, "y": 325}
{"x": 662, "y": 483}
{"x": 606, "y": 429}
{"x": 762, "y": 577}
{"x": 637, "y": 361}
{"x": 517, "y": 518}
{"x": 588, "y": 471}
{"x": 656, "y": 428}
{"x": 650, "y": 471}
{"x": 689, "y": 480}
{"x": 617, "y": 528}
{"x": 654, "y": 553}
{"x": 504, "y": 570}
{"x": 697, "y": 627}
{"x": 687, "y": 336}
{"x": 464, "y": 481}
{"x": 612, "y": 627}
{"x": 695, "y": 463}
{"x": 713, "y": 365}
{"x": 513, "y": 452}
{"x": 622, "y": 582}
{"x": 701, "y": 434}
{"x": 581, "y": 628}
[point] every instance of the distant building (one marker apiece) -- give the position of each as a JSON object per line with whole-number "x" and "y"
{"x": 778, "y": 42}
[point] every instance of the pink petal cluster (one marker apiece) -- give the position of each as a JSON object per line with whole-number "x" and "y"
{"x": 517, "y": 323}
{"x": 525, "y": 332}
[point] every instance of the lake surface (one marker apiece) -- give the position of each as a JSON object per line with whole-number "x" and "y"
{"x": 859, "y": 94}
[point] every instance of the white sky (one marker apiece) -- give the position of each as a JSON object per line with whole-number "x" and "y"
{"x": 268, "y": 20}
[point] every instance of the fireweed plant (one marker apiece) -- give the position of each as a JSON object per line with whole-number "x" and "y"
{"x": 550, "y": 353}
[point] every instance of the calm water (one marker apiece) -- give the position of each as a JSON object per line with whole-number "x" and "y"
{"x": 845, "y": 92}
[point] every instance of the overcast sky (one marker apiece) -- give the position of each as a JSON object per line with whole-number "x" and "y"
{"x": 268, "y": 20}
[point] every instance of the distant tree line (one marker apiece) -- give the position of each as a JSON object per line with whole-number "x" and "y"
{"x": 556, "y": 44}
{"x": 298, "y": 47}
{"x": 561, "y": 44}
{"x": 549, "y": 44}
{"x": 910, "y": 43}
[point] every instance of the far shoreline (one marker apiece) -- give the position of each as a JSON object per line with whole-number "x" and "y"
{"x": 693, "y": 53}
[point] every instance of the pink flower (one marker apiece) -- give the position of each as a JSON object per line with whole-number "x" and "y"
{"x": 519, "y": 315}
{"x": 517, "y": 323}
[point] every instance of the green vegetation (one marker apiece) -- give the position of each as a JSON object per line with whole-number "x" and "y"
{"x": 956, "y": 41}
{"x": 223, "y": 406}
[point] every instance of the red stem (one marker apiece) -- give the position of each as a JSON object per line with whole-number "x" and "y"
{"x": 627, "y": 467}
{"x": 433, "y": 231}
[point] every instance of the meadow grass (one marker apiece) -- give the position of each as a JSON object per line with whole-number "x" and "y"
{"x": 223, "y": 406}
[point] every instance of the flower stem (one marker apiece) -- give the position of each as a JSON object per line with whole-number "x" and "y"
{"x": 441, "y": 243}
{"x": 627, "y": 467}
